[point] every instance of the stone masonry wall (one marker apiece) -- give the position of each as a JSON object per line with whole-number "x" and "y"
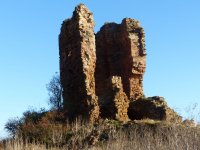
{"x": 112, "y": 67}
{"x": 114, "y": 103}
{"x": 121, "y": 52}
{"x": 77, "y": 65}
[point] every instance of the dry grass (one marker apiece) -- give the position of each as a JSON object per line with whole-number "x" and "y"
{"x": 113, "y": 135}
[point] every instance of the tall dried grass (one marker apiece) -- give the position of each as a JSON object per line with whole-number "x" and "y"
{"x": 113, "y": 135}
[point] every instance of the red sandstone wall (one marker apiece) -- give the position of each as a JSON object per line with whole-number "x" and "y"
{"x": 77, "y": 64}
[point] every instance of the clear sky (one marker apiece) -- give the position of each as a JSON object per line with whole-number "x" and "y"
{"x": 29, "y": 48}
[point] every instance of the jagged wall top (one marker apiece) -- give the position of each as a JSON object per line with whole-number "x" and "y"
{"x": 81, "y": 12}
{"x": 133, "y": 26}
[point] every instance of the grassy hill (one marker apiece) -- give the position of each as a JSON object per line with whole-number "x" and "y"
{"x": 47, "y": 130}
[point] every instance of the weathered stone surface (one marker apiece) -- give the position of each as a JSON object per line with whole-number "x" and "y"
{"x": 77, "y": 64}
{"x": 114, "y": 72}
{"x": 114, "y": 103}
{"x": 121, "y": 52}
{"x": 153, "y": 108}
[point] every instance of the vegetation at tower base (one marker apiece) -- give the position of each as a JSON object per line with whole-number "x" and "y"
{"x": 104, "y": 135}
{"x": 102, "y": 105}
{"x": 54, "y": 89}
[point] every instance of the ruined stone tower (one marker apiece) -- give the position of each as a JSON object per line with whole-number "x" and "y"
{"x": 77, "y": 65}
{"x": 111, "y": 68}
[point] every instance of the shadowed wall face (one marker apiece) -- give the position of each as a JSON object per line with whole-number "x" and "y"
{"x": 114, "y": 103}
{"x": 77, "y": 65}
{"x": 121, "y": 52}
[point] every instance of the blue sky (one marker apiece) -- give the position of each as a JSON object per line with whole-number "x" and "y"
{"x": 29, "y": 48}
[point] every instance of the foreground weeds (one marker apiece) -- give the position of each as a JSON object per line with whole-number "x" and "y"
{"x": 113, "y": 135}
